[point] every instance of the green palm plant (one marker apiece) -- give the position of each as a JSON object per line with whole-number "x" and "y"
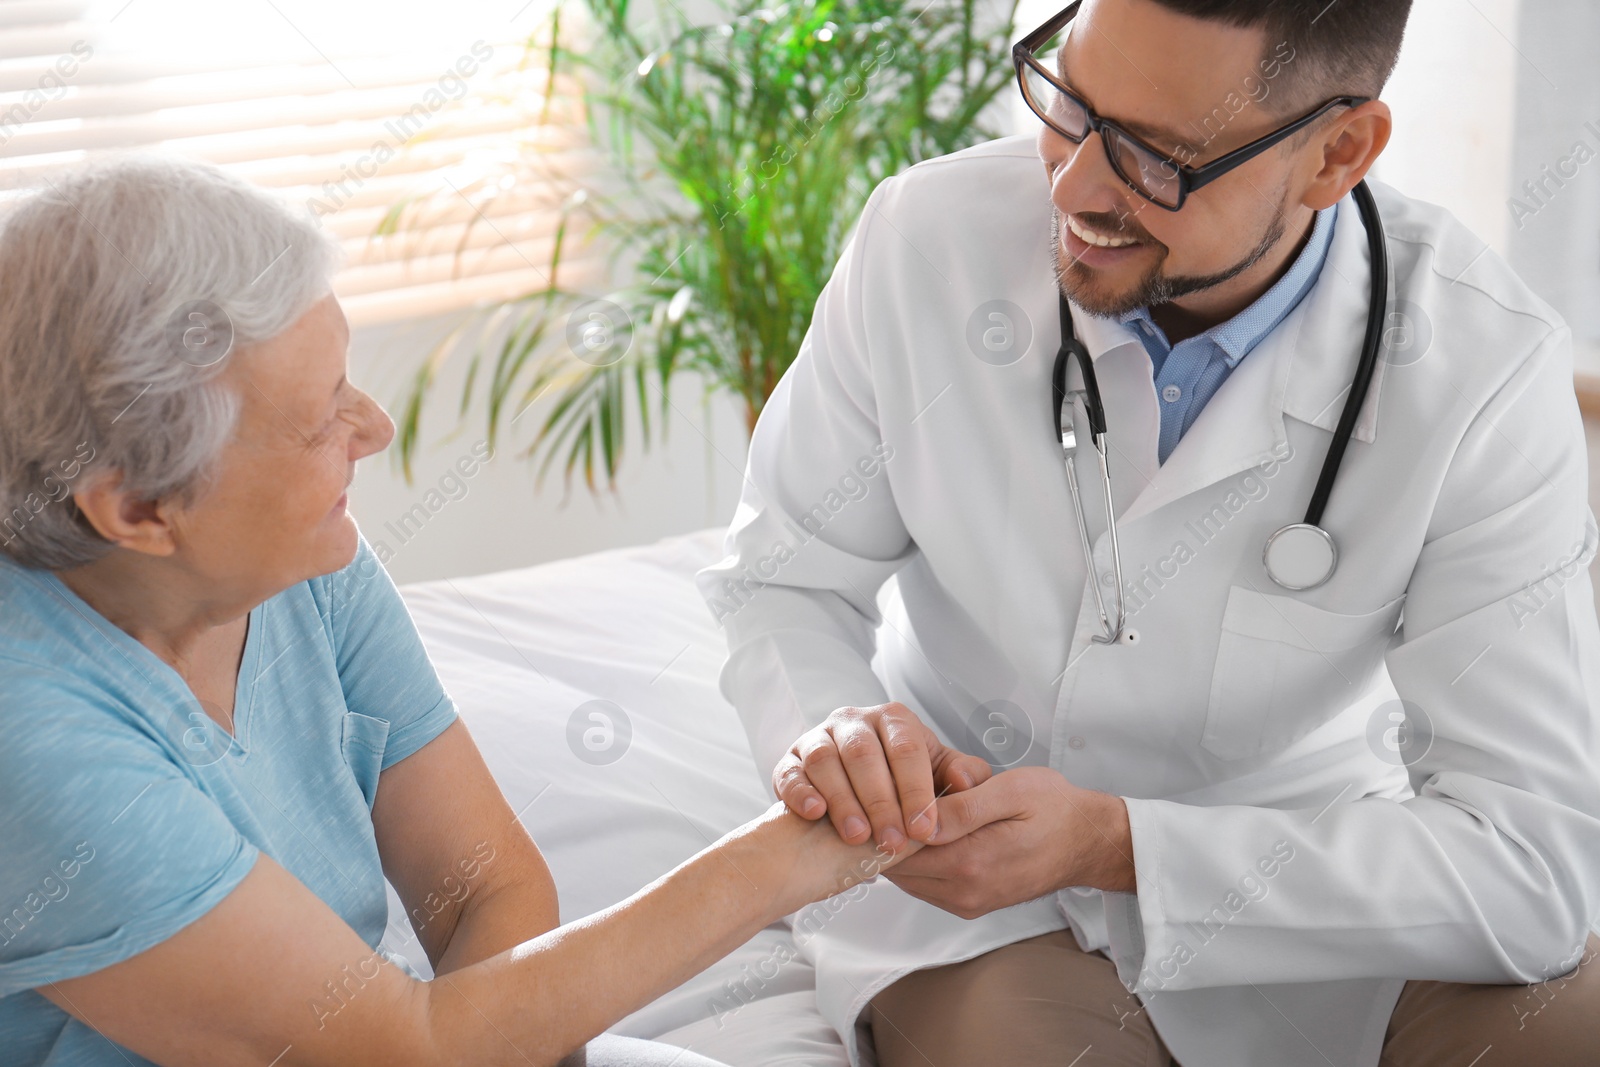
{"x": 742, "y": 151}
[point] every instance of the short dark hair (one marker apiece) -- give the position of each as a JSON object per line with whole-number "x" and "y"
{"x": 1341, "y": 47}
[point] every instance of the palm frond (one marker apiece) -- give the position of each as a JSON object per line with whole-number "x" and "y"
{"x": 741, "y": 153}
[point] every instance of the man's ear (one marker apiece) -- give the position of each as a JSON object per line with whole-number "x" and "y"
{"x": 124, "y": 519}
{"x": 1351, "y": 145}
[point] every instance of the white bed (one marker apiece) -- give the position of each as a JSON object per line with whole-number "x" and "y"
{"x": 523, "y": 652}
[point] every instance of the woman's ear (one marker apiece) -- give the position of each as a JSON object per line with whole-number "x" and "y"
{"x": 123, "y": 519}
{"x": 1351, "y": 145}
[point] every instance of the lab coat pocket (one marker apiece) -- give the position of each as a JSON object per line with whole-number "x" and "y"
{"x": 1285, "y": 667}
{"x": 362, "y": 741}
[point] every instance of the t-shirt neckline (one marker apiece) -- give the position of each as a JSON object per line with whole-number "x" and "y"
{"x": 249, "y": 663}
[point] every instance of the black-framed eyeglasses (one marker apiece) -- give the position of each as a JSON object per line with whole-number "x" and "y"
{"x": 1151, "y": 173}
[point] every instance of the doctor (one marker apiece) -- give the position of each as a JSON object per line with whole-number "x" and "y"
{"x": 1274, "y": 822}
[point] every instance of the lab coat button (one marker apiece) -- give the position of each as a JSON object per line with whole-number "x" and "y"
{"x": 1075, "y": 741}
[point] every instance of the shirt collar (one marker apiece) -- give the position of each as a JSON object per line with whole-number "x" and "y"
{"x": 1236, "y": 337}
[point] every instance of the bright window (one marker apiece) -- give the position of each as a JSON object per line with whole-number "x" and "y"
{"x": 348, "y": 108}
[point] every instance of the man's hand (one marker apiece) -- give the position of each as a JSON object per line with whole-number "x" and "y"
{"x": 875, "y": 773}
{"x": 1021, "y": 835}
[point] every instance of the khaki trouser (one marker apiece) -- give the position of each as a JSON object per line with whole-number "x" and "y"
{"x": 1045, "y": 1001}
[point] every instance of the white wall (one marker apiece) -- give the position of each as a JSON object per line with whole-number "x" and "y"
{"x": 1557, "y": 247}
{"x": 1489, "y": 93}
{"x": 1454, "y": 97}
{"x": 497, "y": 519}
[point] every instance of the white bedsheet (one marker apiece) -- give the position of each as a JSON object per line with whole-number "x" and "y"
{"x": 522, "y": 651}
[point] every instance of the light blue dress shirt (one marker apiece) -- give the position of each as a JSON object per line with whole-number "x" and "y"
{"x": 1188, "y": 374}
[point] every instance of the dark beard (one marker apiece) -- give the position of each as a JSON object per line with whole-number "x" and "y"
{"x": 1154, "y": 290}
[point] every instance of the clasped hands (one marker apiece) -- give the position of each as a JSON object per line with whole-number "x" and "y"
{"x": 989, "y": 840}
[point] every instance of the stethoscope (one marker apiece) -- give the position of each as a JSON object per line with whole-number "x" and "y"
{"x": 1301, "y": 555}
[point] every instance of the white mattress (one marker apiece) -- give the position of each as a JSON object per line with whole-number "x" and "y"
{"x": 521, "y": 652}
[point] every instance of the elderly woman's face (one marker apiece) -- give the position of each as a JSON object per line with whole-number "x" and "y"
{"x": 278, "y": 509}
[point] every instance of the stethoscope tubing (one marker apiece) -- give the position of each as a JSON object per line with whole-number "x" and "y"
{"x": 1371, "y": 346}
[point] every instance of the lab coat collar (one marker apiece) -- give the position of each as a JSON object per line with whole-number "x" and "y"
{"x": 1335, "y": 323}
{"x": 1102, "y": 335}
{"x": 1302, "y": 369}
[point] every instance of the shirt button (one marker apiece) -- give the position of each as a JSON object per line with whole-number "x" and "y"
{"x": 1075, "y": 741}
{"x": 1172, "y": 394}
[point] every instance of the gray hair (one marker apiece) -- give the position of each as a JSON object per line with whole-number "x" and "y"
{"x": 100, "y": 271}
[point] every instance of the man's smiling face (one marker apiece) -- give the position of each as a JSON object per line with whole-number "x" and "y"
{"x": 1167, "y": 78}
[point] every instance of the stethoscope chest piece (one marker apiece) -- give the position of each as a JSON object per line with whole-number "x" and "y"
{"x": 1300, "y": 556}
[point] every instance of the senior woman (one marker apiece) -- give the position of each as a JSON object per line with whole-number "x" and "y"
{"x": 221, "y": 731}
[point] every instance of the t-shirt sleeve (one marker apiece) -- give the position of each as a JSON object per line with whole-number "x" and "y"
{"x": 383, "y": 668}
{"x": 107, "y": 848}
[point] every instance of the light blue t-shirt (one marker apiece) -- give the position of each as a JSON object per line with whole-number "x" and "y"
{"x": 126, "y": 812}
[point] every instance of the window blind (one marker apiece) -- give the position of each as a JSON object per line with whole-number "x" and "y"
{"x": 427, "y": 137}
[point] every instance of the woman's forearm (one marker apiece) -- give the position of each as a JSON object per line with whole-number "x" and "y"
{"x": 531, "y": 1004}
{"x": 549, "y": 995}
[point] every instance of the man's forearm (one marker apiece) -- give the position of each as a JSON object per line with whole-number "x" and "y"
{"x": 1110, "y": 865}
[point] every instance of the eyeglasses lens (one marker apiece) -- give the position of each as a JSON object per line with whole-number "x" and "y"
{"x": 1056, "y": 108}
{"x": 1154, "y": 175}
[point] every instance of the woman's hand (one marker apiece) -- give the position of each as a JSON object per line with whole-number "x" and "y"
{"x": 803, "y": 861}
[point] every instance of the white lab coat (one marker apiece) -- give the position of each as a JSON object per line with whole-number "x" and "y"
{"x": 1289, "y": 879}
